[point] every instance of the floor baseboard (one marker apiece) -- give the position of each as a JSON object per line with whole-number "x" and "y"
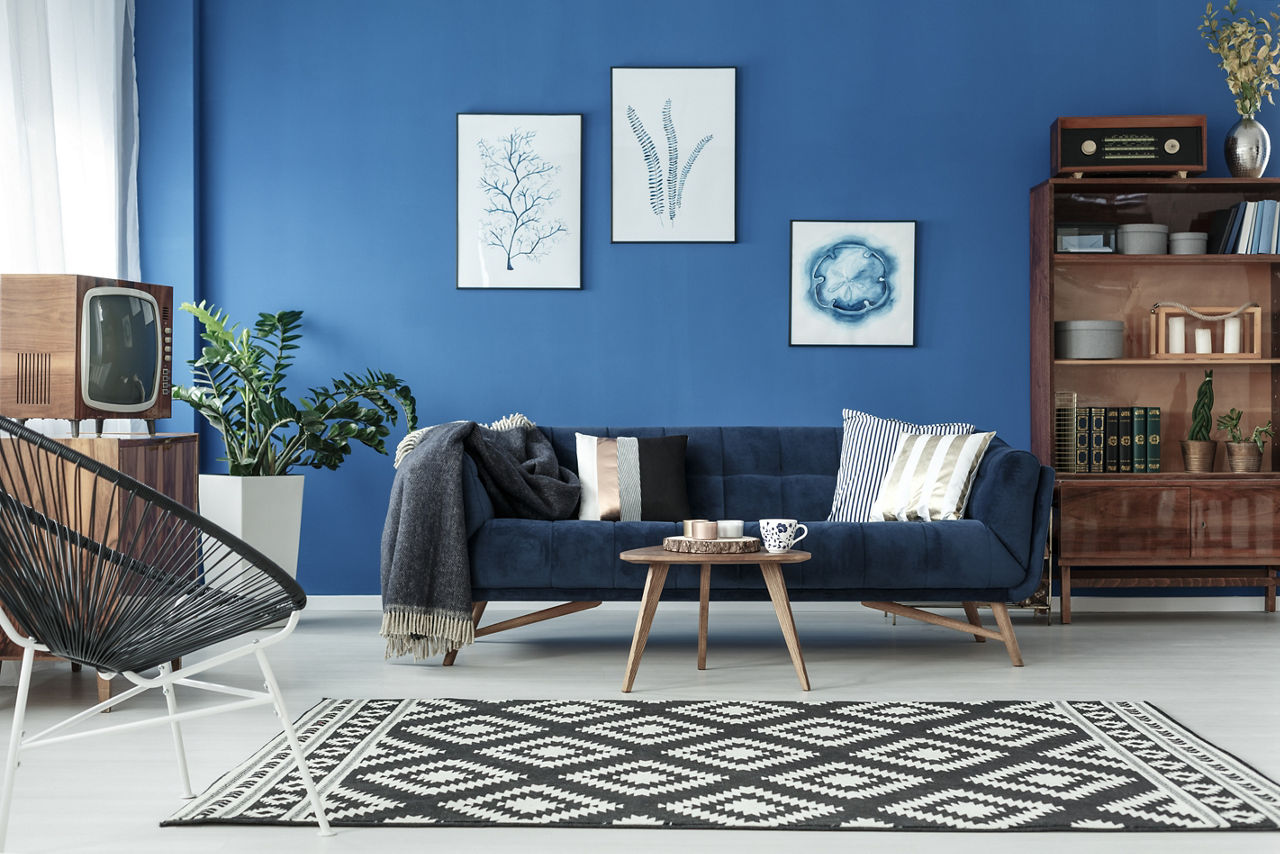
{"x": 1082, "y": 604}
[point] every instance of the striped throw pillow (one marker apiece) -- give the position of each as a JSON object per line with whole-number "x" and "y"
{"x": 869, "y": 443}
{"x": 929, "y": 477}
{"x": 630, "y": 480}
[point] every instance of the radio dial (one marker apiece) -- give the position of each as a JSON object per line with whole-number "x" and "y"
{"x": 1171, "y": 146}
{"x": 1088, "y": 146}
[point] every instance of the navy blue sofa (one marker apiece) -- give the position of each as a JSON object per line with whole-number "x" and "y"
{"x": 992, "y": 557}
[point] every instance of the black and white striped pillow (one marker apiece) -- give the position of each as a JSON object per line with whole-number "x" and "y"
{"x": 865, "y": 454}
{"x": 625, "y": 479}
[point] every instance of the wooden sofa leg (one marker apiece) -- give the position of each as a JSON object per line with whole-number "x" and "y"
{"x": 477, "y": 609}
{"x": 523, "y": 620}
{"x": 971, "y": 611}
{"x": 1001, "y": 612}
{"x": 998, "y": 608}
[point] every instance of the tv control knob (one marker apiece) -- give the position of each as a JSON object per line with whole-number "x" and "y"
{"x": 168, "y": 349}
{"x": 1088, "y": 147}
{"x": 168, "y": 331}
{"x": 1171, "y": 146}
{"x": 168, "y": 358}
{"x": 168, "y": 340}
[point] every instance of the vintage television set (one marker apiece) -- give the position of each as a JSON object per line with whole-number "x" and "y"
{"x": 77, "y": 347}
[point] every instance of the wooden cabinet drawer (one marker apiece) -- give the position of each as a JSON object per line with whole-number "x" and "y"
{"x": 1235, "y": 521}
{"x": 1109, "y": 521}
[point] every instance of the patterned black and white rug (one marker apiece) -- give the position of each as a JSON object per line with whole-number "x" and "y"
{"x": 999, "y": 765}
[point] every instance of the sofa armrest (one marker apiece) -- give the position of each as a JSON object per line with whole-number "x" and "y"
{"x": 477, "y": 507}
{"x": 1005, "y": 498}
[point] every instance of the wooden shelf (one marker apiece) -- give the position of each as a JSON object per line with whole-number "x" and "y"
{"x": 1167, "y": 363}
{"x": 1181, "y": 528}
{"x": 1116, "y": 258}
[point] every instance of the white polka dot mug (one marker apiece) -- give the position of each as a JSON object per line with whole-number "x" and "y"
{"x": 779, "y": 535}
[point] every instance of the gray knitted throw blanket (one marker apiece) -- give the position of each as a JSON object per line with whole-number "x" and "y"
{"x": 426, "y": 573}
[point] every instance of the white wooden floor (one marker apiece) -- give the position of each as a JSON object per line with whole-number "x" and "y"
{"x": 1218, "y": 673}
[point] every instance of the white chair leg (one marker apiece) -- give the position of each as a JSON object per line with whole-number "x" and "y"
{"x": 171, "y": 701}
{"x": 15, "y": 740}
{"x": 287, "y": 723}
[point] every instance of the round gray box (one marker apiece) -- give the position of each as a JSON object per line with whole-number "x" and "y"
{"x": 1088, "y": 339}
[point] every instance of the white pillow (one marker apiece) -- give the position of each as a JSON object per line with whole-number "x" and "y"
{"x": 929, "y": 477}
{"x": 868, "y": 446}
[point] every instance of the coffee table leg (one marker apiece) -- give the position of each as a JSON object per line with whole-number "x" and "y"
{"x": 648, "y": 607}
{"x": 704, "y": 607}
{"x": 782, "y": 607}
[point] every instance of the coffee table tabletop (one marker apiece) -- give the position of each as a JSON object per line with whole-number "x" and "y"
{"x": 660, "y": 560}
{"x": 657, "y": 554}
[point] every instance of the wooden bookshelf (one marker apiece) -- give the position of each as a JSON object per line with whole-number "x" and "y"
{"x": 1170, "y": 529}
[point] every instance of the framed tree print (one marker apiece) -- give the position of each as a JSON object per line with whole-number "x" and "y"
{"x": 674, "y": 155}
{"x": 853, "y": 283}
{"x": 519, "y": 201}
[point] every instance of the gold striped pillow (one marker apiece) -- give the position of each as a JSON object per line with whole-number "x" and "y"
{"x": 929, "y": 477}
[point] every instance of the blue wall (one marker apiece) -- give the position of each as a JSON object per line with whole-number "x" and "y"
{"x": 323, "y": 179}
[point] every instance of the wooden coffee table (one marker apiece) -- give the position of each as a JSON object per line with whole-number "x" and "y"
{"x": 660, "y": 560}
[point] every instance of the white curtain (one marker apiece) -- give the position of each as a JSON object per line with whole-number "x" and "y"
{"x": 68, "y": 139}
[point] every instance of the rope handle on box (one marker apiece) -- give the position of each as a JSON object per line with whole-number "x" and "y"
{"x": 1199, "y": 316}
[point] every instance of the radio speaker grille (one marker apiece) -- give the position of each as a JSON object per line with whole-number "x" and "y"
{"x": 34, "y": 377}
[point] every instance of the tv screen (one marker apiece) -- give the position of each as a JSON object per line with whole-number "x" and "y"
{"x": 121, "y": 349}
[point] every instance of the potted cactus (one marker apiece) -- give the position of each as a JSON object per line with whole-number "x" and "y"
{"x": 1244, "y": 455}
{"x": 1198, "y": 450}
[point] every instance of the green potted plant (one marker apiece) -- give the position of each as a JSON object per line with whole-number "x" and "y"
{"x": 1198, "y": 450}
{"x": 1244, "y": 455}
{"x": 238, "y": 386}
{"x": 1250, "y": 55}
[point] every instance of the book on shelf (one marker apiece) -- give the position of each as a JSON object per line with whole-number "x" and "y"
{"x": 1139, "y": 440}
{"x": 1247, "y": 228}
{"x": 1124, "y": 434}
{"x": 1111, "y": 440}
{"x": 1153, "y": 439}
{"x": 1097, "y": 438}
{"x": 1105, "y": 439}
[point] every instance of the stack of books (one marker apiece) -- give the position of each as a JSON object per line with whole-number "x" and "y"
{"x": 1249, "y": 228}
{"x": 1108, "y": 439}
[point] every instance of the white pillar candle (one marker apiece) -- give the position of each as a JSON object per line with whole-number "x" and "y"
{"x": 1177, "y": 335}
{"x": 1231, "y": 335}
{"x": 1204, "y": 340}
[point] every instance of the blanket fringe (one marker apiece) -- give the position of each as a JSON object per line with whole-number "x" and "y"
{"x": 425, "y": 632}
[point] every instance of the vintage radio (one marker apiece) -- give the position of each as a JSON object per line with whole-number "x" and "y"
{"x": 1127, "y": 145}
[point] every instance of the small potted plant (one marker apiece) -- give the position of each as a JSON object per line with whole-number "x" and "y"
{"x": 1198, "y": 450}
{"x": 1244, "y": 455}
{"x": 239, "y": 387}
{"x": 1249, "y": 53}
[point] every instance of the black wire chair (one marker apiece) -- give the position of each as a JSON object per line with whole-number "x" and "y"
{"x": 102, "y": 570}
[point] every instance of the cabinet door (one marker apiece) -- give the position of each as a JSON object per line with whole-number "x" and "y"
{"x": 1238, "y": 522}
{"x": 1133, "y": 523}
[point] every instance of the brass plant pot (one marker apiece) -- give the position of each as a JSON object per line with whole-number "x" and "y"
{"x": 1198, "y": 456}
{"x": 1244, "y": 456}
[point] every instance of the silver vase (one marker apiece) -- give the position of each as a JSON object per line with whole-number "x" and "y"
{"x": 1248, "y": 148}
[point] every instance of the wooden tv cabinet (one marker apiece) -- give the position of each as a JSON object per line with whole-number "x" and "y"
{"x": 1168, "y": 529}
{"x": 167, "y": 462}
{"x": 1175, "y": 530}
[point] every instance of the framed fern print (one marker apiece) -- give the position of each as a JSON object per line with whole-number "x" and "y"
{"x": 675, "y": 155}
{"x": 519, "y": 201}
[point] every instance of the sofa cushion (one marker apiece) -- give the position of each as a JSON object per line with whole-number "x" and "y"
{"x": 631, "y": 479}
{"x": 875, "y": 559}
{"x": 930, "y": 477}
{"x": 867, "y": 447}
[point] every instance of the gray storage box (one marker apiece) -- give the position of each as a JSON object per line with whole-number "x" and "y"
{"x": 1088, "y": 339}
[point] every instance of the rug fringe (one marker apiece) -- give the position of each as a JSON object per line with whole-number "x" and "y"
{"x": 425, "y": 632}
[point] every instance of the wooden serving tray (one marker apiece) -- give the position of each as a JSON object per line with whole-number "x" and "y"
{"x": 726, "y": 546}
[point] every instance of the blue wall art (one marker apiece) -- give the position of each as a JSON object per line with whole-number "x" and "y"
{"x": 853, "y": 283}
{"x": 674, "y": 155}
{"x": 519, "y": 201}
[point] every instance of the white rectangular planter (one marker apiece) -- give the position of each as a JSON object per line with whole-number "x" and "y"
{"x": 265, "y": 512}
